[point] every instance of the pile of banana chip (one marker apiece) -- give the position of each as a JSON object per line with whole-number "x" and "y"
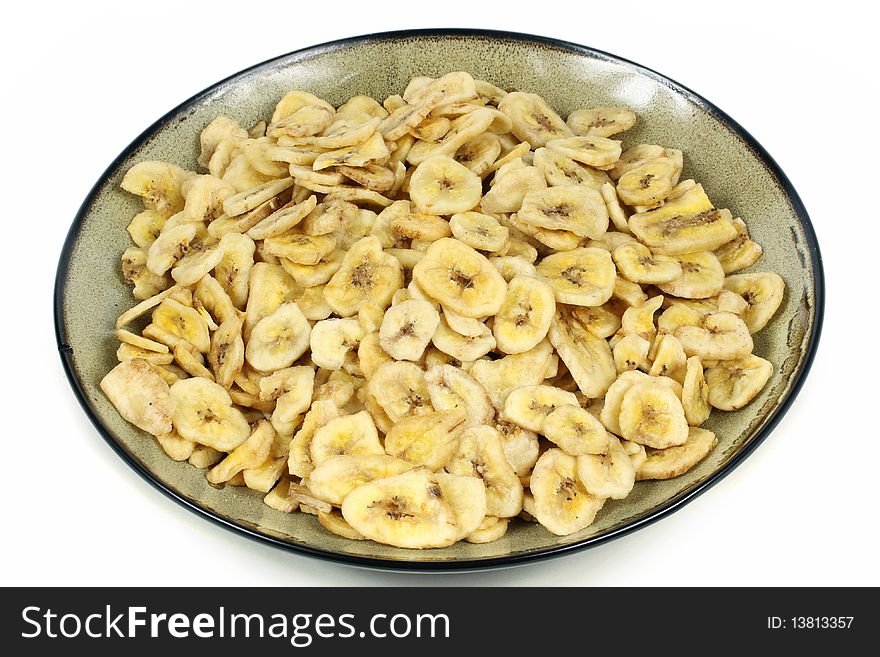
{"x": 420, "y": 319}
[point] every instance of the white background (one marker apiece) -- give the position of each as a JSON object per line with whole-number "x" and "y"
{"x": 80, "y": 83}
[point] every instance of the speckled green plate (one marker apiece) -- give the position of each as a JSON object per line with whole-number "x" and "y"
{"x": 736, "y": 171}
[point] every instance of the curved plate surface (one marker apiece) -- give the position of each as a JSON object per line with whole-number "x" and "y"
{"x": 735, "y": 170}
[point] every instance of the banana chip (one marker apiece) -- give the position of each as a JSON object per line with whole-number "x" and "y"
{"x": 420, "y": 318}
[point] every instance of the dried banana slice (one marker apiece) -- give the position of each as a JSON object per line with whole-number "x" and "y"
{"x": 331, "y": 340}
{"x": 460, "y": 278}
{"x": 520, "y": 447}
{"x": 674, "y": 461}
{"x": 136, "y": 272}
{"x": 177, "y": 448}
{"x": 307, "y": 500}
{"x": 480, "y": 455}
{"x": 300, "y": 114}
{"x": 370, "y": 354}
{"x": 283, "y": 219}
{"x": 172, "y": 245}
{"x": 636, "y": 262}
{"x": 763, "y": 292}
{"x": 575, "y": 208}
{"x": 592, "y": 150}
{"x": 332, "y": 480}
{"x": 491, "y": 529}
{"x": 358, "y": 105}
{"x": 602, "y": 121}
{"x": 234, "y": 269}
{"x": 278, "y": 339}
{"x": 636, "y": 156}
{"x": 588, "y": 358}
{"x": 512, "y": 266}
{"x": 479, "y": 153}
{"x": 141, "y": 395}
{"x": 607, "y": 475}
{"x": 669, "y": 358}
{"x": 432, "y": 129}
{"x": 610, "y": 412}
{"x": 581, "y": 277}
{"x": 269, "y": 286}
{"x": 652, "y": 415}
{"x": 560, "y": 170}
{"x": 407, "y": 329}
{"x": 461, "y": 131}
{"x": 399, "y": 388}
{"x": 372, "y": 150}
{"x": 141, "y": 343}
{"x": 628, "y": 292}
{"x": 561, "y": 502}
{"x": 158, "y": 184}
{"x": 312, "y": 276}
{"x": 684, "y": 225}
{"x": 205, "y": 195}
{"x": 500, "y": 377}
{"x": 598, "y": 320}
{"x": 615, "y": 210}
{"x": 702, "y": 276}
{"x": 575, "y": 430}
{"x": 440, "y": 185}
{"x": 349, "y": 434}
{"x": 253, "y": 197}
{"x": 525, "y": 315}
{"x": 528, "y": 406}
{"x": 463, "y": 348}
{"x": 373, "y": 177}
{"x": 192, "y": 268}
{"x": 695, "y": 393}
{"x": 532, "y": 119}
{"x": 418, "y": 226}
{"x": 220, "y": 129}
{"x": 333, "y": 522}
{"x": 676, "y": 316}
{"x": 426, "y": 440}
{"x": 252, "y": 453}
{"x": 145, "y": 228}
{"x": 467, "y": 326}
{"x": 204, "y": 457}
{"x": 416, "y": 509}
{"x": 509, "y": 188}
{"x": 204, "y": 414}
{"x": 451, "y": 388}
{"x": 740, "y": 252}
{"x": 226, "y": 356}
{"x": 299, "y": 461}
{"x": 639, "y": 319}
{"x": 279, "y": 497}
{"x": 717, "y": 336}
{"x": 479, "y": 231}
{"x": 734, "y": 383}
{"x": 648, "y": 184}
{"x": 731, "y": 302}
{"x": 182, "y": 322}
{"x": 348, "y": 129}
{"x": 299, "y": 248}
{"x": 630, "y": 352}
{"x": 366, "y": 276}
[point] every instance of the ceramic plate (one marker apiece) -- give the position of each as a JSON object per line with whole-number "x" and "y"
{"x": 735, "y": 170}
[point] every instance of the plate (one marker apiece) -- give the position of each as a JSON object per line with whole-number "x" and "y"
{"x": 736, "y": 171}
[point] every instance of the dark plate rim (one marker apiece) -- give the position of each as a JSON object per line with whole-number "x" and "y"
{"x": 668, "y": 507}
